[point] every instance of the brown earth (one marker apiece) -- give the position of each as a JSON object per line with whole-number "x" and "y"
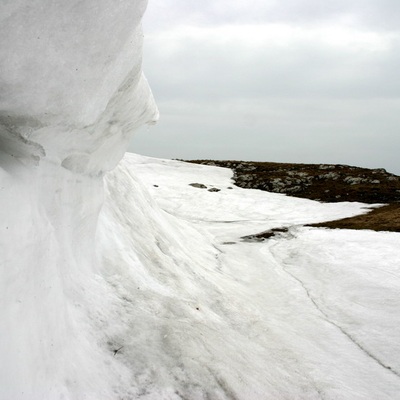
{"x": 386, "y": 218}
{"x": 326, "y": 183}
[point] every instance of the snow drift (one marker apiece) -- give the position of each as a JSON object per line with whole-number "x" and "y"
{"x": 71, "y": 94}
{"x": 127, "y": 282}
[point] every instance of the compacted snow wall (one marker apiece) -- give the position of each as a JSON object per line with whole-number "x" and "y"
{"x": 71, "y": 94}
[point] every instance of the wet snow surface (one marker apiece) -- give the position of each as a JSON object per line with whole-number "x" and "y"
{"x": 192, "y": 311}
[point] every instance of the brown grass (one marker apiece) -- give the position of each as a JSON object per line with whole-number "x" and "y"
{"x": 386, "y": 218}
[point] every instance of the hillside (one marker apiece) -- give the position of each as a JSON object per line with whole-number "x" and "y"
{"x": 309, "y": 313}
{"x": 326, "y": 183}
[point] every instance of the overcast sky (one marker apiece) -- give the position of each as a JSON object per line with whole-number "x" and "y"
{"x": 313, "y": 81}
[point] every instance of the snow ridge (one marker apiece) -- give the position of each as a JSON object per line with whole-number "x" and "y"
{"x": 72, "y": 94}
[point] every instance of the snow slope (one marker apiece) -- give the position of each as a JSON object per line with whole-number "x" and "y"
{"x": 201, "y": 314}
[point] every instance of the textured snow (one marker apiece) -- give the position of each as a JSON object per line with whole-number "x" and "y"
{"x": 72, "y": 93}
{"x": 195, "y": 311}
{"x": 71, "y": 85}
{"x": 129, "y": 283}
{"x": 310, "y": 314}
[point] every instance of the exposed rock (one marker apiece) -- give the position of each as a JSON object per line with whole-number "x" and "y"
{"x": 329, "y": 175}
{"x": 198, "y": 185}
{"x": 351, "y": 180}
{"x": 260, "y": 237}
{"x": 324, "y": 166}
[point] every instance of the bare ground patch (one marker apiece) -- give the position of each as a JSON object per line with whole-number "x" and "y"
{"x": 325, "y": 183}
{"x": 386, "y": 218}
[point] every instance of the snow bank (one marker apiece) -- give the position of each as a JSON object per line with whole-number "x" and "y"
{"x": 71, "y": 83}
{"x": 140, "y": 286}
{"x": 71, "y": 94}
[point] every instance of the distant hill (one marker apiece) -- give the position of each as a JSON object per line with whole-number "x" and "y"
{"x": 326, "y": 183}
{"x": 323, "y": 182}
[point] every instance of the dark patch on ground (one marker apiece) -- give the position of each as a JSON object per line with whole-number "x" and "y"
{"x": 386, "y": 218}
{"x": 198, "y": 185}
{"x": 260, "y": 237}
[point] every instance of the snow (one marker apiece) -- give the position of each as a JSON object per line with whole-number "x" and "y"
{"x": 71, "y": 95}
{"x": 123, "y": 281}
{"x": 195, "y": 311}
{"x": 66, "y": 59}
{"x": 71, "y": 85}
{"x": 311, "y": 313}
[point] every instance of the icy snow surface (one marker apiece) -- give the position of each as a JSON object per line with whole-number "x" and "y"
{"x": 201, "y": 314}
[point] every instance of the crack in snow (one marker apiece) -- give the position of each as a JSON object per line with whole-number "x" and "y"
{"x": 327, "y": 319}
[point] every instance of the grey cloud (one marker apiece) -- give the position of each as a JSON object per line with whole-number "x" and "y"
{"x": 356, "y": 132}
{"x": 205, "y": 70}
{"x": 375, "y": 14}
{"x": 305, "y": 101}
